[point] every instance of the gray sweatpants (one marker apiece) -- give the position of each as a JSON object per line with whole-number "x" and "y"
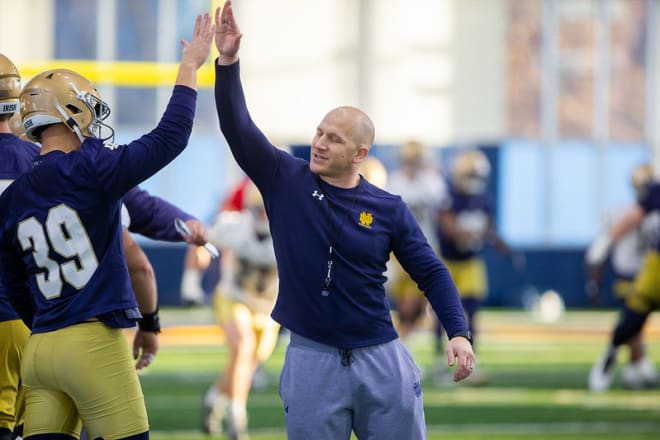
{"x": 374, "y": 391}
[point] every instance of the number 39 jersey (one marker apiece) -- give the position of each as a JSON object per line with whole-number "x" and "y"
{"x": 60, "y": 224}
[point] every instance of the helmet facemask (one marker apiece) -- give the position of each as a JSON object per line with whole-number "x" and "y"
{"x": 100, "y": 111}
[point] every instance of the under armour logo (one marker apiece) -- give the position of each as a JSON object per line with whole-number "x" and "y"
{"x": 317, "y": 195}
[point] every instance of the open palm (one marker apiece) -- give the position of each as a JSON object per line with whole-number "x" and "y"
{"x": 227, "y": 34}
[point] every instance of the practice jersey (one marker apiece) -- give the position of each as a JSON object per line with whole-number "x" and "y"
{"x": 321, "y": 231}
{"x": 629, "y": 251}
{"x": 151, "y": 216}
{"x": 651, "y": 202}
{"x": 253, "y": 278}
{"x": 16, "y": 158}
{"x": 473, "y": 215}
{"x": 423, "y": 193}
{"x": 60, "y": 224}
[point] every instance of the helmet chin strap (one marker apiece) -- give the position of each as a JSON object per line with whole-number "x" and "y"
{"x": 69, "y": 121}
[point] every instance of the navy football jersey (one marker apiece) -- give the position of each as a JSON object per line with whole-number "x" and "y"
{"x": 16, "y": 158}
{"x": 473, "y": 216}
{"x": 60, "y": 225}
{"x": 651, "y": 201}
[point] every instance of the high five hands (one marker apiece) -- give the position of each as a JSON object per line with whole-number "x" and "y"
{"x": 227, "y": 34}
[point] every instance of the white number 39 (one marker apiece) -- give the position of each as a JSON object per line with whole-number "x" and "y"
{"x": 69, "y": 238}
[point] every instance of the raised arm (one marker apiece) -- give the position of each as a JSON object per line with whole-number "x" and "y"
{"x": 121, "y": 168}
{"x": 249, "y": 146}
{"x": 154, "y": 217}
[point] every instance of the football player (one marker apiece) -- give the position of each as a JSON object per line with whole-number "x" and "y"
{"x": 61, "y": 255}
{"x": 423, "y": 188}
{"x": 197, "y": 259}
{"x": 634, "y": 236}
{"x": 243, "y": 302}
{"x": 16, "y": 158}
{"x": 465, "y": 225}
{"x": 153, "y": 217}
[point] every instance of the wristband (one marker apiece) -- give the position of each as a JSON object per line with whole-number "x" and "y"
{"x": 150, "y": 322}
{"x": 466, "y": 334}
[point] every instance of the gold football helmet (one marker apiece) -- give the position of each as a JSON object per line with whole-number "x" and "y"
{"x": 63, "y": 96}
{"x": 253, "y": 202}
{"x": 10, "y": 86}
{"x": 412, "y": 153}
{"x": 470, "y": 171}
{"x": 16, "y": 126}
{"x": 374, "y": 171}
{"x": 640, "y": 178}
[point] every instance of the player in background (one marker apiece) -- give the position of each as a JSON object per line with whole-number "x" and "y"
{"x": 419, "y": 183}
{"x": 634, "y": 235}
{"x": 197, "y": 259}
{"x": 244, "y": 299}
{"x": 466, "y": 224}
{"x": 152, "y": 217}
{"x": 16, "y": 158}
{"x": 61, "y": 255}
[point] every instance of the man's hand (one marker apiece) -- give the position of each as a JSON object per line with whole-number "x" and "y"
{"x": 145, "y": 346}
{"x": 198, "y": 233}
{"x": 197, "y": 51}
{"x": 459, "y": 348}
{"x": 227, "y": 34}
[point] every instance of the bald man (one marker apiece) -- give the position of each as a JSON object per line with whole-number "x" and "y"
{"x": 333, "y": 231}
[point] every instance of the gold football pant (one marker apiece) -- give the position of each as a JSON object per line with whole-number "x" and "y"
{"x": 13, "y": 336}
{"x": 83, "y": 371}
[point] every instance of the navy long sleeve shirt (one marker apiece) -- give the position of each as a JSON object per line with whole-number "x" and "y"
{"x": 363, "y": 225}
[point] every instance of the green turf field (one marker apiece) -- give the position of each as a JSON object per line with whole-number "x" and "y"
{"x": 537, "y": 390}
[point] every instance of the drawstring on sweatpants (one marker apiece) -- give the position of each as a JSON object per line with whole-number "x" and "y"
{"x": 346, "y": 356}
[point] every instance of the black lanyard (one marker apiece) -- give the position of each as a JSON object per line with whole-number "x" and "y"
{"x": 333, "y": 234}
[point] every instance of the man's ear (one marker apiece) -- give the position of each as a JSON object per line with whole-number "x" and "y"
{"x": 361, "y": 153}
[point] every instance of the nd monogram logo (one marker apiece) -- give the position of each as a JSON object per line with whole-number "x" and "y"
{"x": 317, "y": 195}
{"x": 366, "y": 219}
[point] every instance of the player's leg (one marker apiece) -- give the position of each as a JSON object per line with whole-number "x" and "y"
{"x": 641, "y": 302}
{"x": 227, "y": 399}
{"x": 196, "y": 261}
{"x": 629, "y": 326}
{"x": 267, "y": 332}
{"x": 49, "y": 412}
{"x": 13, "y": 336}
{"x": 93, "y": 365}
{"x": 242, "y": 344}
{"x": 407, "y": 298}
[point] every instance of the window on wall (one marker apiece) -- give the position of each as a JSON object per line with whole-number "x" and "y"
{"x": 624, "y": 28}
{"x": 186, "y": 12}
{"x": 137, "y": 30}
{"x": 628, "y": 75}
{"x": 135, "y": 106}
{"x": 524, "y": 68}
{"x": 576, "y": 63}
{"x": 75, "y": 29}
{"x": 549, "y": 196}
